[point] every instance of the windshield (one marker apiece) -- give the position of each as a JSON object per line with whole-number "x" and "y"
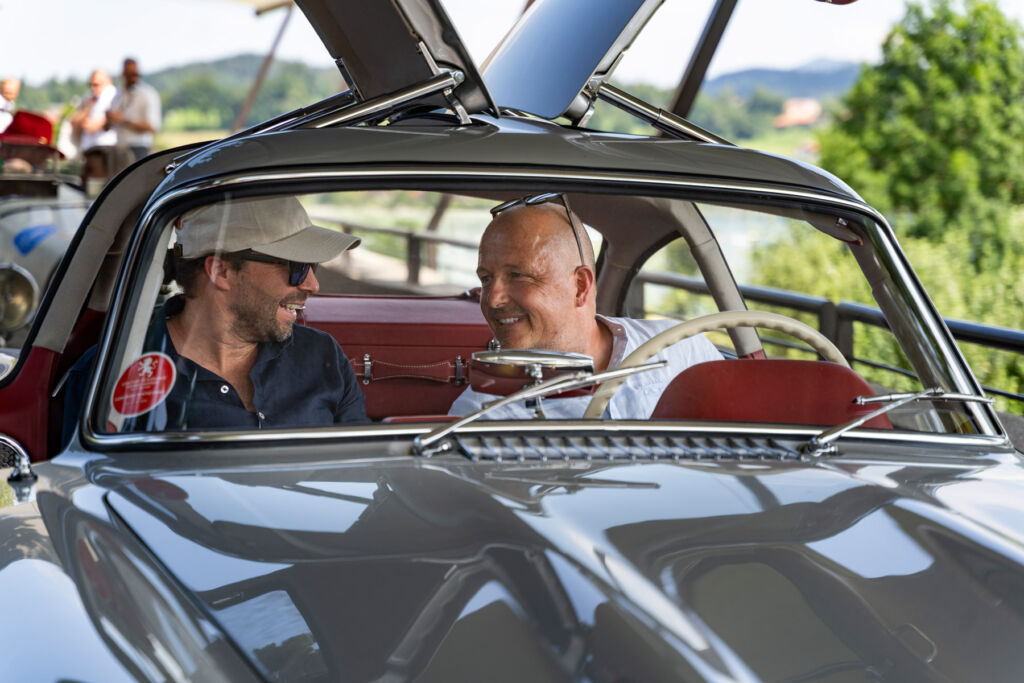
{"x": 335, "y": 309}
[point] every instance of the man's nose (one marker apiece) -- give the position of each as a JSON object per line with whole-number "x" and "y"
{"x": 494, "y": 295}
{"x": 310, "y": 284}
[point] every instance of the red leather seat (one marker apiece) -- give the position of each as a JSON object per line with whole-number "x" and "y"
{"x": 771, "y": 390}
{"x": 411, "y": 354}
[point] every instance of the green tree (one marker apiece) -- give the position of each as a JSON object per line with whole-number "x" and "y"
{"x": 202, "y": 92}
{"x": 934, "y": 135}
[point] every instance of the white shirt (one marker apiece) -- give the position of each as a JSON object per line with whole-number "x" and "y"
{"x": 138, "y": 103}
{"x": 98, "y": 110}
{"x": 636, "y": 397}
{"x": 6, "y": 114}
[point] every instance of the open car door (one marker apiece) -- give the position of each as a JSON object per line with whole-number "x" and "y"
{"x": 382, "y": 47}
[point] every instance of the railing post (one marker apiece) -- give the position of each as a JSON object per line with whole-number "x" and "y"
{"x": 346, "y": 256}
{"x": 844, "y": 337}
{"x": 413, "y": 259}
{"x": 635, "y": 299}
{"x": 828, "y": 322}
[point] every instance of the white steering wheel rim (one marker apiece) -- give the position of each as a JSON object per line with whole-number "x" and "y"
{"x": 706, "y": 323}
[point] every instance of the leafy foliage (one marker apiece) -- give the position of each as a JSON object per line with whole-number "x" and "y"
{"x": 934, "y": 135}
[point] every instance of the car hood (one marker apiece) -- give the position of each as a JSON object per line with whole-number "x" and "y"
{"x": 391, "y": 44}
{"x": 444, "y": 569}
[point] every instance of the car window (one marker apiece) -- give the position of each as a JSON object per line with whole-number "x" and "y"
{"x": 387, "y": 330}
{"x": 807, "y": 266}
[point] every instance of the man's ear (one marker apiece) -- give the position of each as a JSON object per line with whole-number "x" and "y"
{"x": 584, "y": 279}
{"x": 217, "y": 271}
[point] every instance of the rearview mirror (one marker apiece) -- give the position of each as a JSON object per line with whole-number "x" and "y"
{"x": 507, "y": 371}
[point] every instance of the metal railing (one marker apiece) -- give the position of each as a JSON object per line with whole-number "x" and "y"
{"x": 835, "y": 320}
{"x": 414, "y": 243}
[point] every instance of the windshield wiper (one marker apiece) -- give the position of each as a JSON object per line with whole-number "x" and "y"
{"x": 555, "y": 385}
{"x": 823, "y": 443}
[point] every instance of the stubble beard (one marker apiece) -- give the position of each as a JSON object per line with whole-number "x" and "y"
{"x": 255, "y": 321}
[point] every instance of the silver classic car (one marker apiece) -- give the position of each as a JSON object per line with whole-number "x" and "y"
{"x": 791, "y": 512}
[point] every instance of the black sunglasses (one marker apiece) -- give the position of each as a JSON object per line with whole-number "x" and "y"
{"x": 297, "y": 271}
{"x": 533, "y": 200}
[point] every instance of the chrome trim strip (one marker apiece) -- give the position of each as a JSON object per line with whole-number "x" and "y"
{"x": 459, "y": 172}
{"x": 503, "y": 427}
{"x": 929, "y": 317}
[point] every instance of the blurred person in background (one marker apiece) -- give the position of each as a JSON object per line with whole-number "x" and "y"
{"x": 9, "y": 89}
{"x": 89, "y": 120}
{"x": 135, "y": 112}
{"x": 100, "y": 163}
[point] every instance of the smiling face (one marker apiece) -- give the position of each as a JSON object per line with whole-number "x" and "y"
{"x": 264, "y": 305}
{"x": 532, "y": 293}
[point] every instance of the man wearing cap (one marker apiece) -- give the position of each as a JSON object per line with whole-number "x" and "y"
{"x": 246, "y": 268}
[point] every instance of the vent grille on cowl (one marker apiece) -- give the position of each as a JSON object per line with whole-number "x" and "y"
{"x": 603, "y": 447}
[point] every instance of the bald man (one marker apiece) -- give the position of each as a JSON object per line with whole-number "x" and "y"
{"x": 89, "y": 121}
{"x": 9, "y": 89}
{"x": 536, "y": 270}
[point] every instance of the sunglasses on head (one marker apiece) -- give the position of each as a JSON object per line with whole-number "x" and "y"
{"x": 533, "y": 200}
{"x": 297, "y": 271}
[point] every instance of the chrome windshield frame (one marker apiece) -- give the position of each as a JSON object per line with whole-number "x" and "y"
{"x": 954, "y": 364}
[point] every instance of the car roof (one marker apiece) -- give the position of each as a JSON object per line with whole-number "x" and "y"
{"x": 501, "y": 143}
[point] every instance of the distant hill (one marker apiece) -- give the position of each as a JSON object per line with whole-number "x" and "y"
{"x": 207, "y": 95}
{"x": 236, "y": 72}
{"x": 821, "y": 81}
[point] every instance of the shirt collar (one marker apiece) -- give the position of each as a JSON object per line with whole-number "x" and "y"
{"x": 618, "y": 340}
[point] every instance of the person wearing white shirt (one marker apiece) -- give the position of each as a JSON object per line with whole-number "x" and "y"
{"x": 9, "y": 89}
{"x": 538, "y": 291}
{"x": 89, "y": 120}
{"x": 135, "y": 112}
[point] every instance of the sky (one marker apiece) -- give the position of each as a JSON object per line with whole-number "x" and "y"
{"x": 60, "y": 38}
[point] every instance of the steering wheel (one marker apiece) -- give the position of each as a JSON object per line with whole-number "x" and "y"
{"x": 721, "y": 320}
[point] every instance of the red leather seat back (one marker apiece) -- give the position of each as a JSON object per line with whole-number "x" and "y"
{"x": 772, "y": 390}
{"x": 410, "y": 353}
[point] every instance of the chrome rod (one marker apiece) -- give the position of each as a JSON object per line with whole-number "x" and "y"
{"x": 354, "y": 114}
{"x": 659, "y": 118}
{"x": 555, "y": 385}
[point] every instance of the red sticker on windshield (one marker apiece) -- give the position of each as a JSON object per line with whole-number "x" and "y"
{"x": 144, "y": 385}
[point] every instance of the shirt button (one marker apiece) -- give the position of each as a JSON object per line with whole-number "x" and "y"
{"x": 224, "y": 388}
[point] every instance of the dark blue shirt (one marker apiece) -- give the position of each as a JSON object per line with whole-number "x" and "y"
{"x": 304, "y": 381}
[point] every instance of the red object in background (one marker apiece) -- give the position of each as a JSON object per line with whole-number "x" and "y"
{"x": 28, "y": 128}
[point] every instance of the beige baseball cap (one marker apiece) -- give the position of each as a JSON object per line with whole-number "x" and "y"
{"x": 275, "y": 226}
